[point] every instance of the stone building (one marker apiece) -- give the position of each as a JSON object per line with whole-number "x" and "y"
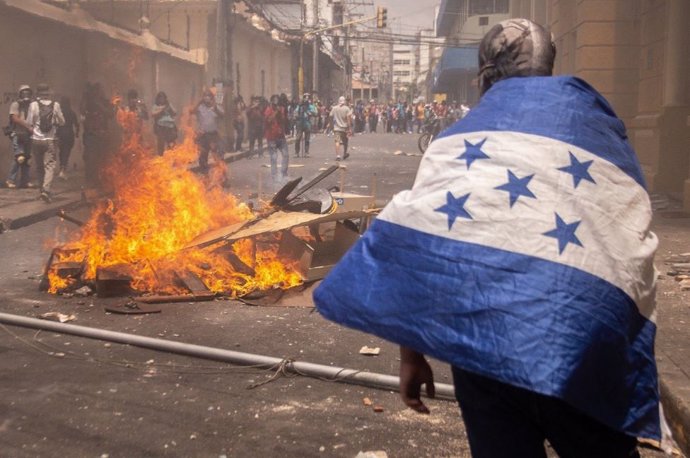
{"x": 635, "y": 53}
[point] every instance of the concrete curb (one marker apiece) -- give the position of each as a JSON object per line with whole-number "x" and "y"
{"x": 677, "y": 415}
{"x": 35, "y": 211}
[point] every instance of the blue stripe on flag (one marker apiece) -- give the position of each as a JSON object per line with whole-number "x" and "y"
{"x": 525, "y": 321}
{"x": 565, "y": 108}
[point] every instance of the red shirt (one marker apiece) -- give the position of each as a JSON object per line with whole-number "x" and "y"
{"x": 274, "y": 124}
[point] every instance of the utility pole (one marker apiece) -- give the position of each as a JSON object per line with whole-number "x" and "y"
{"x": 221, "y": 41}
{"x": 315, "y": 55}
{"x": 392, "y": 67}
{"x": 300, "y": 73}
{"x": 371, "y": 77}
{"x": 347, "y": 78}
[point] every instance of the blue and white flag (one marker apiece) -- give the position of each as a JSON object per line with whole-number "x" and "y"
{"x": 522, "y": 253}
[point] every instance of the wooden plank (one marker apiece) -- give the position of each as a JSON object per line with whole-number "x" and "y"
{"x": 173, "y": 298}
{"x": 194, "y": 284}
{"x": 114, "y": 280}
{"x": 277, "y": 221}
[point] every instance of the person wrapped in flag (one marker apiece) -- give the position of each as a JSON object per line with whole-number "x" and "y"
{"x": 523, "y": 257}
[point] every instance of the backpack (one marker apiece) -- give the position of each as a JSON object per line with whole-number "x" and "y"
{"x": 45, "y": 117}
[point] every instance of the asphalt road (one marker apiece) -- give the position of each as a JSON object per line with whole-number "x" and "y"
{"x": 67, "y": 396}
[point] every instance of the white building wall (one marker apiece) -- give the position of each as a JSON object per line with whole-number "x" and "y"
{"x": 67, "y": 58}
{"x": 265, "y": 65}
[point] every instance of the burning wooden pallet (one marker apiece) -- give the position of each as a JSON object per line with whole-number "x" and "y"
{"x": 307, "y": 244}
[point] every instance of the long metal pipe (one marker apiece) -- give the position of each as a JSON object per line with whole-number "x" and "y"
{"x": 339, "y": 374}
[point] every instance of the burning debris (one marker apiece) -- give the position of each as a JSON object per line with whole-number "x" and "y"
{"x": 168, "y": 234}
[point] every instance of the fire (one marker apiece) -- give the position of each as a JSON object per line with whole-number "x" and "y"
{"x": 58, "y": 283}
{"x": 156, "y": 207}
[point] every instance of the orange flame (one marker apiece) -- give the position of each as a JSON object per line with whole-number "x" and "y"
{"x": 157, "y": 207}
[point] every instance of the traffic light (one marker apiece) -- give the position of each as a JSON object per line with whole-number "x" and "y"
{"x": 381, "y": 17}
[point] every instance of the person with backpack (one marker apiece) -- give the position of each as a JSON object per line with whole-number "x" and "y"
{"x": 303, "y": 114}
{"x": 44, "y": 116}
{"x": 19, "y": 132}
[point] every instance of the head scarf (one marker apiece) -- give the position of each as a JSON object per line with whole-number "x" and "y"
{"x": 515, "y": 47}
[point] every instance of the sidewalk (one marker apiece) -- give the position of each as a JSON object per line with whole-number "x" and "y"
{"x": 22, "y": 207}
{"x": 672, "y": 226}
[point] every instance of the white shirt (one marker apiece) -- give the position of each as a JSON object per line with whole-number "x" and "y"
{"x": 33, "y": 118}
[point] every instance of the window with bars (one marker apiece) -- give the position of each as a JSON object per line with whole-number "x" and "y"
{"x": 477, "y": 7}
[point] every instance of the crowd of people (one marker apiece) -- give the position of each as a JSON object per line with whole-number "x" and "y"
{"x": 45, "y": 129}
{"x": 303, "y": 118}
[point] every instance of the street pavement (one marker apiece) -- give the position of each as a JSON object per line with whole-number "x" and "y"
{"x": 63, "y": 395}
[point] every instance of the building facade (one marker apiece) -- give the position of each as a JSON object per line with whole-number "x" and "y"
{"x": 73, "y": 49}
{"x": 632, "y": 51}
{"x": 463, "y": 23}
{"x": 635, "y": 53}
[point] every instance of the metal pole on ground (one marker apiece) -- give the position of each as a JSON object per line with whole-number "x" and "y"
{"x": 338, "y": 374}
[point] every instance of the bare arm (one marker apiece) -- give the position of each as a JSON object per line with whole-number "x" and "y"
{"x": 415, "y": 372}
{"x": 20, "y": 122}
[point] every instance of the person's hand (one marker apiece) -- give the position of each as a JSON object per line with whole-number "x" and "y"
{"x": 415, "y": 371}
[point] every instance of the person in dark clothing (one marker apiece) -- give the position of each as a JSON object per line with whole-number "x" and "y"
{"x": 19, "y": 133}
{"x": 164, "y": 123}
{"x": 97, "y": 112}
{"x": 238, "y": 122}
{"x": 255, "y": 126}
{"x": 66, "y": 135}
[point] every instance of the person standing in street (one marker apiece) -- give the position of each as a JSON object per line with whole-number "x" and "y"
{"x": 66, "y": 134}
{"x": 523, "y": 256}
{"x": 44, "y": 116}
{"x": 164, "y": 125}
{"x": 341, "y": 119}
{"x": 134, "y": 125}
{"x": 303, "y": 123}
{"x": 255, "y": 126}
{"x": 238, "y": 123}
{"x": 96, "y": 111}
{"x": 274, "y": 130}
{"x": 208, "y": 114}
{"x": 19, "y": 133}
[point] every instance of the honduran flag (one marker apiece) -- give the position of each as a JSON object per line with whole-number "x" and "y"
{"x": 522, "y": 253}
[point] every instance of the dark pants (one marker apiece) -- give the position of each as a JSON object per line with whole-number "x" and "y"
{"x": 208, "y": 142}
{"x": 505, "y": 421}
{"x": 239, "y": 135}
{"x": 65, "y": 145}
{"x": 373, "y": 121}
{"x": 165, "y": 138}
{"x": 95, "y": 156}
{"x": 256, "y": 135}
{"x": 21, "y": 146}
{"x": 302, "y": 131}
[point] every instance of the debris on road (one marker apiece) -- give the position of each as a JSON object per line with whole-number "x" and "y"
{"x": 83, "y": 291}
{"x": 57, "y": 316}
{"x": 369, "y": 351}
{"x": 131, "y": 307}
{"x": 680, "y": 270}
{"x": 367, "y": 402}
{"x": 372, "y": 454}
{"x": 378, "y": 408}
